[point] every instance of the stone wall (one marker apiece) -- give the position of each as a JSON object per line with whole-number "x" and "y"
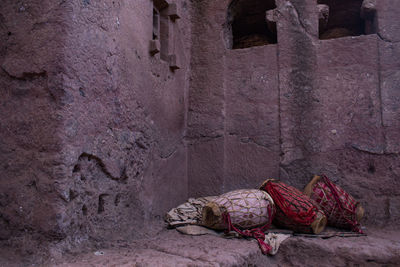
{"x": 125, "y": 123}
{"x": 32, "y": 34}
{"x": 109, "y": 119}
{"x": 297, "y": 108}
{"x": 92, "y": 122}
{"x": 233, "y": 118}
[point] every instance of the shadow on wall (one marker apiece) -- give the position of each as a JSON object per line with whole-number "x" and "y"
{"x": 340, "y": 18}
{"x": 247, "y": 25}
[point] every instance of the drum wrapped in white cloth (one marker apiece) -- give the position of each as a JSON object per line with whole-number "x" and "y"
{"x": 247, "y": 208}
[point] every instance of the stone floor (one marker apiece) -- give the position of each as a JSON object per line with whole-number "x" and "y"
{"x": 170, "y": 248}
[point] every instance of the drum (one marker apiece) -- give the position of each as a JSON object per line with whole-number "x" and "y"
{"x": 294, "y": 210}
{"x": 341, "y": 209}
{"x": 247, "y": 208}
{"x": 249, "y": 212}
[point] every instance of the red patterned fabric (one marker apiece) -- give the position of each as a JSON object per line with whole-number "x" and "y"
{"x": 294, "y": 210}
{"x": 256, "y": 233}
{"x": 338, "y": 205}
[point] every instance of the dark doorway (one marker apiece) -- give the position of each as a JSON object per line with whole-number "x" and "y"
{"x": 249, "y": 27}
{"x": 345, "y": 19}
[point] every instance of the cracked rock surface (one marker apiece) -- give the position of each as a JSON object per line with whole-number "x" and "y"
{"x": 169, "y": 248}
{"x": 99, "y": 137}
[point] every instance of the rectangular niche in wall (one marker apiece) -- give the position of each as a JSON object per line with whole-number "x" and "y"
{"x": 340, "y": 18}
{"x": 156, "y": 24}
{"x": 164, "y": 16}
{"x": 160, "y": 41}
{"x": 247, "y": 24}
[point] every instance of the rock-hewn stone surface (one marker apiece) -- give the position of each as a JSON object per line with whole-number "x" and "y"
{"x": 92, "y": 125}
{"x": 251, "y": 117}
{"x": 125, "y": 122}
{"x": 32, "y": 34}
{"x": 98, "y": 138}
{"x": 233, "y": 116}
{"x": 173, "y": 249}
{"x": 337, "y": 107}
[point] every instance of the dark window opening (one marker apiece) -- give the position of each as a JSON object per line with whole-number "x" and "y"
{"x": 165, "y": 15}
{"x": 164, "y": 35}
{"x": 346, "y": 18}
{"x": 161, "y": 29}
{"x": 156, "y": 24}
{"x": 248, "y": 24}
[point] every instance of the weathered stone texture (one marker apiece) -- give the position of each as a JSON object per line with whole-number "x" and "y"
{"x": 377, "y": 249}
{"x": 336, "y": 110}
{"x": 93, "y": 124}
{"x": 31, "y": 37}
{"x": 205, "y": 118}
{"x": 389, "y": 25}
{"x": 233, "y": 124}
{"x": 390, "y": 83}
{"x": 127, "y": 115}
{"x": 297, "y": 81}
{"x": 348, "y": 93}
{"x": 251, "y": 117}
{"x": 205, "y": 167}
{"x": 104, "y": 128}
{"x": 350, "y": 125}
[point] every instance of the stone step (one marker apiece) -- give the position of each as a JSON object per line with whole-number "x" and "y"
{"x": 170, "y": 248}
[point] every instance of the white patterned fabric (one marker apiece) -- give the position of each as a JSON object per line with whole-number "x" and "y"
{"x": 247, "y": 208}
{"x": 188, "y": 212}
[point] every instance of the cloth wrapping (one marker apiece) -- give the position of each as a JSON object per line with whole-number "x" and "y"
{"x": 294, "y": 210}
{"x": 274, "y": 240}
{"x": 186, "y": 218}
{"x": 247, "y": 209}
{"x": 196, "y": 230}
{"x": 341, "y": 209}
{"x": 249, "y": 212}
{"x": 188, "y": 213}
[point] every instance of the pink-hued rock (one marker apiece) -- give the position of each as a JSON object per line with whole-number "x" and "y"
{"x": 92, "y": 124}
{"x": 336, "y": 110}
{"x": 251, "y": 117}
{"x": 100, "y": 135}
{"x": 30, "y": 125}
{"x": 173, "y": 249}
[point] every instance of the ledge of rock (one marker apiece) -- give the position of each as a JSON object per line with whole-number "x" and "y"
{"x": 170, "y": 248}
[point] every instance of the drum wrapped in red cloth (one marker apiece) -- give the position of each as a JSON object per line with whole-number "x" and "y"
{"x": 341, "y": 208}
{"x": 294, "y": 210}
